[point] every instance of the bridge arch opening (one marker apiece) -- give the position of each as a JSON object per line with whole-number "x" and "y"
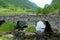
{"x": 21, "y": 25}
{"x": 48, "y": 28}
{"x": 1, "y": 22}
{"x": 43, "y": 26}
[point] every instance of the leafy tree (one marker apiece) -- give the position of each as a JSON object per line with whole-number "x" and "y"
{"x": 2, "y": 4}
{"x": 48, "y": 9}
{"x": 39, "y": 10}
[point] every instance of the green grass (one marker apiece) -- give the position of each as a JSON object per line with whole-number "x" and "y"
{"x": 3, "y": 38}
{"x": 6, "y": 12}
{"x": 31, "y": 29}
{"x": 7, "y": 27}
{"x": 46, "y": 11}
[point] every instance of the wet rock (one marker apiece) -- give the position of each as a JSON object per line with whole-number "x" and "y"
{"x": 8, "y": 36}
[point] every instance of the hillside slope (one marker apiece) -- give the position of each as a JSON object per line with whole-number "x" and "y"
{"x": 25, "y": 4}
{"x": 55, "y": 1}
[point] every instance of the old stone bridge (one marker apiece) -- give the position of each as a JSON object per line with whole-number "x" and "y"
{"x": 54, "y": 20}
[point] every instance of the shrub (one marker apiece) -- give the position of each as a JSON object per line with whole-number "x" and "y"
{"x": 31, "y": 29}
{"x": 7, "y": 27}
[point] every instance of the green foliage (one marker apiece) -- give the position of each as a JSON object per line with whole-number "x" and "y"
{"x": 39, "y": 10}
{"x": 2, "y": 4}
{"x": 24, "y": 6}
{"x": 50, "y": 9}
{"x": 16, "y": 7}
{"x": 54, "y": 1}
{"x": 45, "y": 11}
{"x": 56, "y": 5}
{"x": 31, "y": 29}
{"x": 3, "y": 38}
{"x": 7, "y": 27}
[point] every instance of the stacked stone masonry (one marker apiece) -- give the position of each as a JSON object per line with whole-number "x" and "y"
{"x": 54, "y": 20}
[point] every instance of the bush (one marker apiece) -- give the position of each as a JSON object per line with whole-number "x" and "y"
{"x": 7, "y": 27}
{"x": 31, "y": 29}
{"x": 38, "y": 10}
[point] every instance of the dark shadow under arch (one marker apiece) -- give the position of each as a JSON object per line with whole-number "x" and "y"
{"x": 21, "y": 25}
{"x": 2, "y": 21}
{"x": 48, "y": 27}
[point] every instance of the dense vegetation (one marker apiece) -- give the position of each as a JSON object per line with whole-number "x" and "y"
{"x": 54, "y": 8}
{"x": 24, "y": 4}
{"x": 7, "y": 27}
{"x": 11, "y": 7}
{"x": 31, "y": 28}
{"x": 54, "y": 1}
{"x": 3, "y": 38}
{"x": 8, "y": 7}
